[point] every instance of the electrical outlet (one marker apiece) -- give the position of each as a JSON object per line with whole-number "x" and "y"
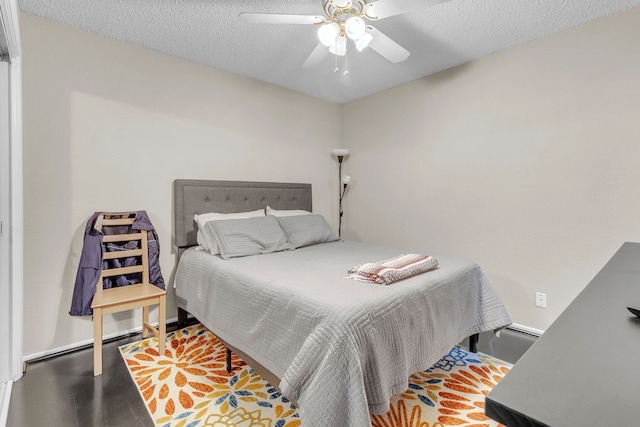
{"x": 541, "y": 300}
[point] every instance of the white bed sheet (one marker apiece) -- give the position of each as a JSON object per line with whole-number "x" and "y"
{"x": 341, "y": 347}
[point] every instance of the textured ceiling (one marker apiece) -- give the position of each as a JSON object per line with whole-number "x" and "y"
{"x": 209, "y": 32}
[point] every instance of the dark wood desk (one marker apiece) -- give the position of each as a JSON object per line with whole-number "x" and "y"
{"x": 585, "y": 369}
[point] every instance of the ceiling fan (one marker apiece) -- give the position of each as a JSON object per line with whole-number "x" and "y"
{"x": 344, "y": 21}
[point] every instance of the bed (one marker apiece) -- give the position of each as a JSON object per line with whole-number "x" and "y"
{"x": 340, "y": 348}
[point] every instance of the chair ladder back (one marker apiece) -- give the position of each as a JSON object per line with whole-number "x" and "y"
{"x": 110, "y": 221}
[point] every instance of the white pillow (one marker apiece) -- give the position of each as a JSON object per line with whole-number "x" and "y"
{"x": 248, "y": 236}
{"x": 291, "y": 212}
{"x": 208, "y": 241}
{"x": 306, "y": 230}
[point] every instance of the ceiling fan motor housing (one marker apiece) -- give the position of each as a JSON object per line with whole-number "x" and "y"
{"x": 340, "y": 10}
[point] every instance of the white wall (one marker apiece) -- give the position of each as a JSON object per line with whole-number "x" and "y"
{"x": 527, "y": 161}
{"x": 108, "y": 126}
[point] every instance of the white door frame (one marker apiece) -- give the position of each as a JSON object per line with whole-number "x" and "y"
{"x": 6, "y": 313}
{"x": 11, "y": 240}
{"x": 11, "y": 193}
{"x": 14, "y": 224}
{"x": 17, "y": 262}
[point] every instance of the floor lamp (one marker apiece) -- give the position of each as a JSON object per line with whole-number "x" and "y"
{"x": 341, "y": 154}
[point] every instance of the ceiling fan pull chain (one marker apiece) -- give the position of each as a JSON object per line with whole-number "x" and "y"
{"x": 346, "y": 67}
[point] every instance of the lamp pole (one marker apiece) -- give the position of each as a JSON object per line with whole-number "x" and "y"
{"x": 341, "y": 190}
{"x": 343, "y": 183}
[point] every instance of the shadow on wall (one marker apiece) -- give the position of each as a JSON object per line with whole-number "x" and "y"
{"x": 66, "y": 289}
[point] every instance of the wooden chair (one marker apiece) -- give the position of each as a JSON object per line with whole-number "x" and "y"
{"x": 121, "y": 298}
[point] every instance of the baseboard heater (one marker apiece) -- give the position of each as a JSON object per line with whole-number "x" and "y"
{"x": 525, "y": 330}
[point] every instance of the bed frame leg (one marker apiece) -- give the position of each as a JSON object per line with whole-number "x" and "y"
{"x": 182, "y": 317}
{"x": 473, "y": 343}
{"x": 229, "y": 366}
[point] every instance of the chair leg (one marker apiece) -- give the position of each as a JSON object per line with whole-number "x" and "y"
{"x": 162, "y": 324}
{"x": 97, "y": 341}
{"x": 145, "y": 321}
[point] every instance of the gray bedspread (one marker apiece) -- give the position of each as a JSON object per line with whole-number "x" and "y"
{"x": 341, "y": 347}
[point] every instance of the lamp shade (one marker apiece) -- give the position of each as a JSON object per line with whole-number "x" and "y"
{"x": 346, "y": 179}
{"x": 340, "y": 152}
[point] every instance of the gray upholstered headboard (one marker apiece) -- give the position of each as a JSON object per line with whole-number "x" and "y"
{"x": 192, "y": 197}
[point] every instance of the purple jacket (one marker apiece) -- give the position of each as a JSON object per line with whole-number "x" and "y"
{"x": 91, "y": 261}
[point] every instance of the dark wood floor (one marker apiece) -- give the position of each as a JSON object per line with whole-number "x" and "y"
{"x": 62, "y": 391}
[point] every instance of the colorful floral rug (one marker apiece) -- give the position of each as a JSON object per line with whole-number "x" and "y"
{"x": 189, "y": 386}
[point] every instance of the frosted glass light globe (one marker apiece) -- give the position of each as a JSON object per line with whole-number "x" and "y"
{"x": 354, "y": 27}
{"x": 363, "y": 41}
{"x": 327, "y": 33}
{"x": 340, "y": 46}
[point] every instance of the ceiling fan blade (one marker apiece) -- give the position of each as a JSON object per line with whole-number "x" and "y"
{"x": 387, "y": 47}
{"x": 316, "y": 57}
{"x": 385, "y": 8}
{"x": 276, "y": 18}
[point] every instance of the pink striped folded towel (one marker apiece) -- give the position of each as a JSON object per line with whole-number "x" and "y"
{"x": 393, "y": 269}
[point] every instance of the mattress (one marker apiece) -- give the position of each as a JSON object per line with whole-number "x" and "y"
{"x": 341, "y": 347}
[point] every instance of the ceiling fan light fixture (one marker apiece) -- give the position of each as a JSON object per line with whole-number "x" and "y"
{"x": 327, "y": 33}
{"x": 354, "y": 27}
